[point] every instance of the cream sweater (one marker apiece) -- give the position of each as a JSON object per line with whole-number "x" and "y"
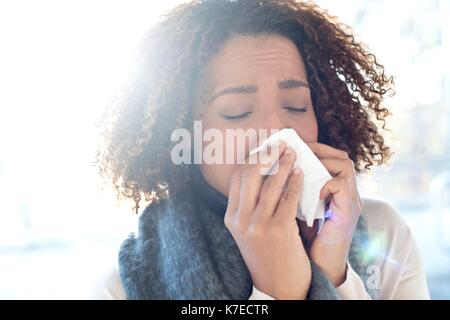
{"x": 397, "y": 271}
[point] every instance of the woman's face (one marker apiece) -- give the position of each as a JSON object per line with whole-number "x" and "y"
{"x": 254, "y": 82}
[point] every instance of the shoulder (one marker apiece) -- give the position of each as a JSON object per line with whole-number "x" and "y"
{"x": 109, "y": 287}
{"x": 381, "y": 215}
{"x": 394, "y": 250}
{"x": 389, "y": 233}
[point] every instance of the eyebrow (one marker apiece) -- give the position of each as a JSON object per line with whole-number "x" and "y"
{"x": 283, "y": 85}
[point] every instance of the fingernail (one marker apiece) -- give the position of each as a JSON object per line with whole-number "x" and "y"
{"x": 296, "y": 171}
{"x": 288, "y": 150}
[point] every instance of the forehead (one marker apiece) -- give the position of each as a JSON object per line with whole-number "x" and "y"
{"x": 252, "y": 59}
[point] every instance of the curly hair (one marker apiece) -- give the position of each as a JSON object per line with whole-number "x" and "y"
{"x": 347, "y": 88}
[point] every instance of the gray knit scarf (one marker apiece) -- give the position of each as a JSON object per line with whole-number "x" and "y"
{"x": 184, "y": 251}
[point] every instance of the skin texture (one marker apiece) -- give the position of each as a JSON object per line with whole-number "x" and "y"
{"x": 260, "y": 214}
{"x": 261, "y": 61}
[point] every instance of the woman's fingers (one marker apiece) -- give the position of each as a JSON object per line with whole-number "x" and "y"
{"x": 288, "y": 204}
{"x": 251, "y": 179}
{"x": 272, "y": 187}
{"x": 339, "y": 167}
{"x": 340, "y": 189}
{"x": 344, "y": 212}
{"x": 344, "y": 168}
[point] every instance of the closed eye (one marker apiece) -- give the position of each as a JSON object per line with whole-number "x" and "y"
{"x": 236, "y": 117}
{"x": 296, "y": 109}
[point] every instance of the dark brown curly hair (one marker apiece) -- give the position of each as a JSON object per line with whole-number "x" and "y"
{"x": 346, "y": 81}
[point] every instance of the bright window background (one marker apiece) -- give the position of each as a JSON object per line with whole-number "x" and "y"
{"x": 60, "y": 62}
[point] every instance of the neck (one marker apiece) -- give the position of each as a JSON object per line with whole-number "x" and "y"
{"x": 204, "y": 192}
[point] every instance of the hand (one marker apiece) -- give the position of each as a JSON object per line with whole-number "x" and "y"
{"x": 329, "y": 249}
{"x": 261, "y": 219}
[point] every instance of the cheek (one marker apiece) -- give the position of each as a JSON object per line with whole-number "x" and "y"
{"x": 218, "y": 174}
{"x": 233, "y": 153}
{"x": 307, "y": 128}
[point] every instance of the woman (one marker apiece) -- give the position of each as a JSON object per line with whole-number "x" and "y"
{"x": 215, "y": 230}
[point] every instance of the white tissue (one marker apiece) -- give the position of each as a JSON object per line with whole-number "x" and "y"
{"x": 315, "y": 175}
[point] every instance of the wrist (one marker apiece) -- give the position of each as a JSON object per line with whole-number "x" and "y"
{"x": 339, "y": 277}
{"x": 292, "y": 295}
{"x": 299, "y": 292}
{"x": 337, "y": 274}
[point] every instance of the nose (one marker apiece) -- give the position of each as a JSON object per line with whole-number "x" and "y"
{"x": 271, "y": 120}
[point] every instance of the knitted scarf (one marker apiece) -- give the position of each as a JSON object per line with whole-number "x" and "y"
{"x": 184, "y": 251}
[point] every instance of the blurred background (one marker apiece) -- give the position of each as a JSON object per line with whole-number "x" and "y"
{"x": 61, "y": 62}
